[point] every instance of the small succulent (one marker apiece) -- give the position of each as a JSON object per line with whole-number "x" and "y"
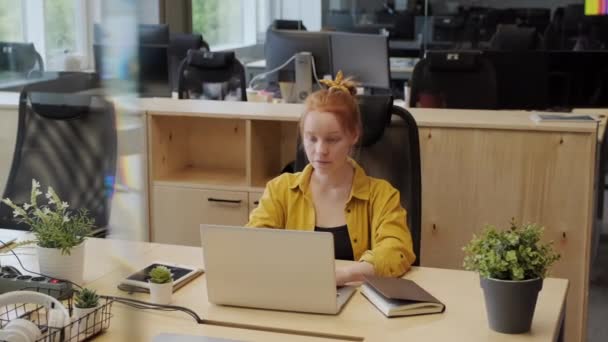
{"x": 160, "y": 275}
{"x": 86, "y": 299}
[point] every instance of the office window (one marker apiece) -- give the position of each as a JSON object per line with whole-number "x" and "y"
{"x": 60, "y": 27}
{"x": 11, "y": 28}
{"x": 220, "y": 21}
{"x": 55, "y": 27}
{"x": 230, "y": 24}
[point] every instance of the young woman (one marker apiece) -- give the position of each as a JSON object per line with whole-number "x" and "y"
{"x": 334, "y": 194}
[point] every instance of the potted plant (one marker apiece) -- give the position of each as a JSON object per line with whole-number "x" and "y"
{"x": 161, "y": 285}
{"x": 512, "y": 264}
{"x": 86, "y": 302}
{"x": 59, "y": 233}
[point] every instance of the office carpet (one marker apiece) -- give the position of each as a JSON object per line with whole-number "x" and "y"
{"x": 597, "y": 314}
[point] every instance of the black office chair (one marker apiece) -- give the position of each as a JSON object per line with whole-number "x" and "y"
{"x": 390, "y": 150}
{"x": 282, "y": 24}
{"x": 522, "y": 79}
{"x": 448, "y": 28}
{"x": 22, "y": 58}
{"x": 538, "y": 18}
{"x": 515, "y": 38}
{"x": 179, "y": 44}
{"x": 404, "y": 26}
{"x": 67, "y": 141}
{"x": 553, "y": 35}
{"x": 211, "y": 76}
{"x": 454, "y": 79}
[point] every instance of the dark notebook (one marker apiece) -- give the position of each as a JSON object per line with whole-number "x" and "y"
{"x": 400, "y": 297}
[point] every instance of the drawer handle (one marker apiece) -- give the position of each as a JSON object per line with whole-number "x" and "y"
{"x": 211, "y": 199}
{"x": 256, "y": 202}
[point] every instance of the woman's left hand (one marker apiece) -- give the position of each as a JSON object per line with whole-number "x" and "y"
{"x": 353, "y": 273}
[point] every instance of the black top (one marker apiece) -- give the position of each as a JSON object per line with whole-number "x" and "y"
{"x": 343, "y": 250}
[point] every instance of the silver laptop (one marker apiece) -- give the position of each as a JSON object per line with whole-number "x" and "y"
{"x": 272, "y": 269}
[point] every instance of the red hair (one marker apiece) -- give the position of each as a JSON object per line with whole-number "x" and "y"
{"x": 338, "y": 102}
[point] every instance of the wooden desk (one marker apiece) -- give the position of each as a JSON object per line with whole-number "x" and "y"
{"x": 130, "y": 324}
{"x": 464, "y": 319}
{"x": 107, "y": 261}
{"x": 478, "y": 167}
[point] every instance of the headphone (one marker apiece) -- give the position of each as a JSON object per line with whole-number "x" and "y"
{"x": 23, "y": 330}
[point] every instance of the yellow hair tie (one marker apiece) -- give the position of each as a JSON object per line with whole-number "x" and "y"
{"x": 337, "y": 83}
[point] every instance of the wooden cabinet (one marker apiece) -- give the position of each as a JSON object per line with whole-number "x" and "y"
{"x": 478, "y": 167}
{"x": 211, "y": 170}
{"x": 176, "y": 215}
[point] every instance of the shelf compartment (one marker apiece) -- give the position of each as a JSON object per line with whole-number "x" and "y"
{"x": 198, "y": 150}
{"x": 272, "y": 147}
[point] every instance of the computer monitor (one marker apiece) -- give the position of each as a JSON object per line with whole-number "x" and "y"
{"x": 178, "y": 49}
{"x": 281, "y": 45}
{"x": 153, "y": 34}
{"x": 154, "y": 71}
{"x": 281, "y": 24}
{"x": 153, "y": 79}
{"x": 363, "y": 56}
{"x": 19, "y": 57}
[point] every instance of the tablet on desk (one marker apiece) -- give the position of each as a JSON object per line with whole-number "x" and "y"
{"x": 182, "y": 274}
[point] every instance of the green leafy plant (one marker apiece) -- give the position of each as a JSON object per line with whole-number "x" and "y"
{"x": 86, "y": 299}
{"x": 160, "y": 275}
{"x": 53, "y": 224}
{"x": 511, "y": 254}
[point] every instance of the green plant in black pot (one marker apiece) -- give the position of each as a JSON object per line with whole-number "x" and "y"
{"x": 512, "y": 264}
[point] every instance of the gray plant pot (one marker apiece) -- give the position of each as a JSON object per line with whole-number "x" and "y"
{"x": 510, "y": 304}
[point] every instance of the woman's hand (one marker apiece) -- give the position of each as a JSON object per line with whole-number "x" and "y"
{"x": 353, "y": 273}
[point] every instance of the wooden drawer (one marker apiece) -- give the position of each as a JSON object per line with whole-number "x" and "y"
{"x": 254, "y": 198}
{"x": 177, "y": 213}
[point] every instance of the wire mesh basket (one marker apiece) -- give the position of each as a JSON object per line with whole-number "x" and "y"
{"x": 83, "y": 328}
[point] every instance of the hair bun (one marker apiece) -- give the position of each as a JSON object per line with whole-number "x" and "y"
{"x": 341, "y": 84}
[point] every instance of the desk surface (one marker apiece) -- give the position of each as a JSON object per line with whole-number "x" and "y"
{"x": 108, "y": 261}
{"x": 425, "y": 117}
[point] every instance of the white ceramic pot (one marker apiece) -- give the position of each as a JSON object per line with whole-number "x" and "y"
{"x": 161, "y": 293}
{"x": 53, "y": 263}
{"x": 87, "y": 320}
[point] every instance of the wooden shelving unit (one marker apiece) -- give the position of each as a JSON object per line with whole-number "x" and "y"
{"x": 211, "y": 170}
{"x": 477, "y": 166}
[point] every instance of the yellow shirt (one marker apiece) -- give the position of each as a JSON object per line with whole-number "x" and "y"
{"x": 375, "y": 219}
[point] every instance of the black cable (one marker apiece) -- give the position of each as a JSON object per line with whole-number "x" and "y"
{"x": 39, "y": 274}
{"x": 126, "y": 301}
{"x": 139, "y": 304}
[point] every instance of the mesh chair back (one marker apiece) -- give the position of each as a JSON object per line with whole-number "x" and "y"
{"x": 20, "y": 57}
{"x": 211, "y": 76}
{"x": 179, "y": 45}
{"x": 390, "y": 150}
{"x": 515, "y": 38}
{"x": 68, "y": 142}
